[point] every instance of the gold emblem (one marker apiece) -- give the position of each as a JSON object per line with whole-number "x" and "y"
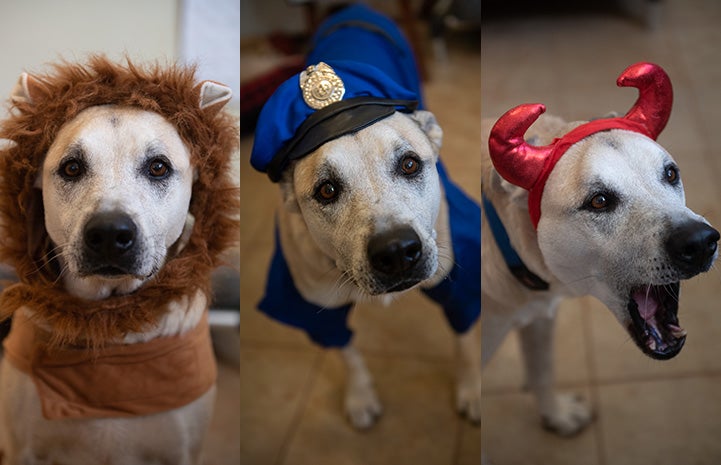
{"x": 321, "y": 86}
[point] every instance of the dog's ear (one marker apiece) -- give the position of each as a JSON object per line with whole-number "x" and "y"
{"x": 610, "y": 114}
{"x": 182, "y": 241}
{"x": 38, "y": 184}
{"x": 290, "y": 202}
{"x": 517, "y": 195}
{"x": 28, "y": 89}
{"x": 212, "y": 96}
{"x": 38, "y": 239}
{"x": 429, "y": 125}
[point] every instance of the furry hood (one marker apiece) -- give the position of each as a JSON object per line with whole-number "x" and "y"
{"x": 53, "y": 99}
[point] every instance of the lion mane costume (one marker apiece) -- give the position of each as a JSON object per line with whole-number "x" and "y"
{"x": 54, "y": 99}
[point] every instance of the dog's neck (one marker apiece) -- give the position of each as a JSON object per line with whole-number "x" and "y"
{"x": 182, "y": 315}
{"x": 511, "y": 204}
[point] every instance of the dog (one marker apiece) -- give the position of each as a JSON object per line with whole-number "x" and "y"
{"x": 367, "y": 211}
{"x": 118, "y": 182}
{"x": 588, "y": 208}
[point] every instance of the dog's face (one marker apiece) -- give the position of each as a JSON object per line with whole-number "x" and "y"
{"x": 116, "y": 186}
{"x": 370, "y": 201}
{"x": 615, "y": 225}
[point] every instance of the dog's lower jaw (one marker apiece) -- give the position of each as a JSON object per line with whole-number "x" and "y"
{"x": 97, "y": 288}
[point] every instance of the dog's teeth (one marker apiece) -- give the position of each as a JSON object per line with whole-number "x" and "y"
{"x": 651, "y": 344}
{"x": 676, "y": 331}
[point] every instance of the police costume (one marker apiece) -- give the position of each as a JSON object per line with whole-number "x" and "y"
{"x": 360, "y": 70}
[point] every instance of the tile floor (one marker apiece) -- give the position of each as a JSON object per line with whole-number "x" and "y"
{"x": 647, "y": 412}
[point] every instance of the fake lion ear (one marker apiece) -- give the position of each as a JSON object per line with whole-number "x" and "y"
{"x": 28, "y": 89}
{"x": 213, "y": 95}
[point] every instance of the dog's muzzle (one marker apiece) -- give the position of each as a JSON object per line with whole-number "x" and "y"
{"x": 396, "y": 259}
{"x": 109, "y": 244}
{"x": 691, "y": 249}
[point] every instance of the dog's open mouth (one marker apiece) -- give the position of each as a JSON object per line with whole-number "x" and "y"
{"x": 654, "y": 322}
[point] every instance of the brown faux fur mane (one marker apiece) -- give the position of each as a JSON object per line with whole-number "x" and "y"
{"x": 211, "y": 137}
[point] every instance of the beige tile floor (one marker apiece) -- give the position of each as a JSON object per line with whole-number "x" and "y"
{"x": 290, "y": 391}
{"x": 647, "y": 412}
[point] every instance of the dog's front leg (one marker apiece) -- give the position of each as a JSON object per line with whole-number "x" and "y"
{"x": 361, "y": 401}
{"x": 468, "y": 387}
{"x": 564, "y": 414}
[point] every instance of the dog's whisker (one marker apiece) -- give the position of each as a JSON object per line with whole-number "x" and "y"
{"x": 47, "y": 258}
{"x": 341, "y": 281}
{"x": 671, "y": 291}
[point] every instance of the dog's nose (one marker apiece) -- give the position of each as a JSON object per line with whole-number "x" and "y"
{"x": 396, "y": 251}
{"x": 692, "y": 246}
{"x": 110, "y": 234}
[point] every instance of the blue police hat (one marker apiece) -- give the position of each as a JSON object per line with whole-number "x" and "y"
{"x": 322, "y": 103}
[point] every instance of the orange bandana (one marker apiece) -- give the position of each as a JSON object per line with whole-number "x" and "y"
{"x": 118, "y": 380}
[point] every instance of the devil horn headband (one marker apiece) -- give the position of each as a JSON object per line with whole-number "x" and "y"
{"x": 529, "y": 166}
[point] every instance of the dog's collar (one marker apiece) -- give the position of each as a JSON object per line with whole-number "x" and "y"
{"x": 510, "y": 256}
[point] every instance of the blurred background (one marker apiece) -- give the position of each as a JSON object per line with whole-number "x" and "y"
{"x": 34, "y": 33}
{"x": 567, "y": 56}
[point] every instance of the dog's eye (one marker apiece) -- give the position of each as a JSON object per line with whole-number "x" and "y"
{"x": 601, "y": 202}
{"x": 672, "y": 175}
{"x": 327, "y": 192}
{"x": 410, "y": 165}
{"x": 72, "y": 169}
{"x": 158, "y": 169}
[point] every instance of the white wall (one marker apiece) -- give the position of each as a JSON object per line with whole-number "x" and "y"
{"x": 210, "y": 37}
{"x": 36, "y": 32}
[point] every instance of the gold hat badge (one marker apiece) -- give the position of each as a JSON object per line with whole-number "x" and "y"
{"x": 321, "y": 86}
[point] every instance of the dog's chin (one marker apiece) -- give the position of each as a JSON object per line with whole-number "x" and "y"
{"x": 110, "y": 272}
{"x": 114, "y": 273}
{"x": 397, "y": 287}
{"x": 103, "y": 281}
{"x": 654, "y": 324}
{"x": 377, "y": 285}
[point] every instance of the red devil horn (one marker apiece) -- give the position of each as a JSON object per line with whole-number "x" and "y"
{"x": 653, "y": 106}
{"x": 517, "y": 161}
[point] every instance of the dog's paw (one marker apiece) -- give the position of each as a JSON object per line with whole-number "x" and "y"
{"x": 569, "y": 417}
{"x": 362, "y": 405}
{"x": 468, "y": 398}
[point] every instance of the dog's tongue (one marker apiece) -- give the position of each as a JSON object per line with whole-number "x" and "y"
{"x": 647, "y": 304}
